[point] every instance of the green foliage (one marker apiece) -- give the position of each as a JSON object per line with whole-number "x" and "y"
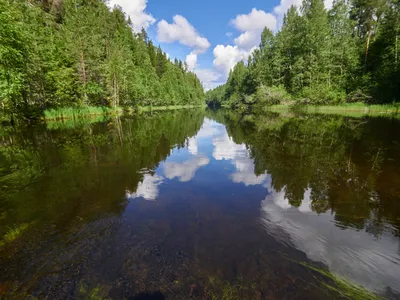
{"x": 322, "y": 94}
{"x": 322, "y": 57}
{"x": 80, "y": 53}
{"x": 80, "y": 112}
{"x": 266, "y": 96}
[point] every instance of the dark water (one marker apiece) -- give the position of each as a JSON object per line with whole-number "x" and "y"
{"x": 201, "y": 205}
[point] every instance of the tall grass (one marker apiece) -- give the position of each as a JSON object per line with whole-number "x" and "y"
{"x": 79, "y": 112}
{"x": 55, "y": 124}
{"x": 357, "y": 109}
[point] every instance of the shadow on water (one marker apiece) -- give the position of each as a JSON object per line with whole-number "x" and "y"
{"x": 201, "y": 205}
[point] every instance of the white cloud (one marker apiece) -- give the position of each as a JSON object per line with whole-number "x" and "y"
{"x": 328, "y": 4}
{"x": 226, "y": 57}
{"x": 209, "y": 78}
{"x": 229, "y": 34}
{"x": 148, "y": 188}
{"x": 183, "y": 32}
{"x": 284, "y": 5}
{"x": 248, "y": 40}
{"x": 251, "y": 26}
{"x": 256, "y": 20}
{"x": 136, "y": 10}
{"x": 191, "y": 60}
{"x": 185, "y": 171}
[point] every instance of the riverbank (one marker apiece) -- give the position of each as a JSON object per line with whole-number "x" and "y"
{"x": 88, "y": 111}
{"x": 357, "y": 109}
{"x": 71, "y": 117}
{"x": 68, "y": 113}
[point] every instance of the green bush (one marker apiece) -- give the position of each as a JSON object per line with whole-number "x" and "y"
{"x": 322, "y": 94}
{"x": 271, "y": 95}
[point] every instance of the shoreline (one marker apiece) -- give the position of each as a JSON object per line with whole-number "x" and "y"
{"x": 353, "y": 109}
{"x": 65, "y": 114}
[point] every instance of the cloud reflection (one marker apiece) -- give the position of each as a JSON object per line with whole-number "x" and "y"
{"x": 371, "y": 262}
{"x": 148, "y": 188}
{"x": 226, "y": 149}
{"x": 192, "y": 146}
{"x": 245, "y": 172}
{"x": 185, "y": 171}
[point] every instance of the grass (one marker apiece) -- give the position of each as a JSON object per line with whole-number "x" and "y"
{"x": 343, "y": 286}
{"x": 73, "y": 123}
{"x": 13, "y": 233}
{"x": 168, "y": 107}
{"x": 79, "y": 112}
{"x": 357, "y": 109}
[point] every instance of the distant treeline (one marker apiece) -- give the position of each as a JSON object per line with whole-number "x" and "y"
{"x": 350, "y": 53}
{"x": 77, "y": 53}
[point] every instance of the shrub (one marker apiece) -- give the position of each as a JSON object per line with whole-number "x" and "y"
{"x": 322, "y": 94}
{"x": 271, "y": 95}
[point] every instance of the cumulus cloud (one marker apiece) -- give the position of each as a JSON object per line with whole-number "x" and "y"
{"x": 248, "y": 40}
{"x": 226, "y": 57}
{"x": 209, "y": 78}
{"x": 185, "y": 171}
{"x": 251, "y": 26}
{"x": 284, "y": 5}
{"x": 147, "y": 189}
{"x": 136, "y": 10}
{"x": 191, "y": 60}
{"x": 256, "y": 20}
{"x": 180, "y": 30}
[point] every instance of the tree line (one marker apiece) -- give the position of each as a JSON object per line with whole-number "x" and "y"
{"x": 76, "y": 53}
{"x": 348, "y": 53}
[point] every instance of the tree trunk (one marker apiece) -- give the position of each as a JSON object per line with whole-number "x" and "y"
{"x": 367, "y": 48}
{"x": 116, "y": 100}
{"x": 83, "y": 70}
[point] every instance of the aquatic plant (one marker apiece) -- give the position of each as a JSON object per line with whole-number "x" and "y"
{"x": 13, "y": 233}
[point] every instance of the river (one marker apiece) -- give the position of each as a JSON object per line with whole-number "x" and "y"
{"x": 201, "y": 205}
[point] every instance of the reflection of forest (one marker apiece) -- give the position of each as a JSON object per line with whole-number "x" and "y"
{"x": 352, "y": 166}
{"x": 97, "y": 163}
{"x": 63, "y": 195}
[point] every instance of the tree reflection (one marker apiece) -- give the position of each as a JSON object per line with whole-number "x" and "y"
{"x": 351, "y": 166}
{"x": 63, "y": 176}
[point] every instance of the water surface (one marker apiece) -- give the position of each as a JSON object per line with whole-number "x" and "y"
{"x": 200, "y": 205}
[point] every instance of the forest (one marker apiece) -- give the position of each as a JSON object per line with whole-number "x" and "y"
{"x": 58, "y": 54}
{"x": 349, "y": 53}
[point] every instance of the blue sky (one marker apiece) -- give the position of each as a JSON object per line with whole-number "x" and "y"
{"x": 210, "y": 35}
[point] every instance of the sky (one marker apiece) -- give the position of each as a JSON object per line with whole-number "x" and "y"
{"x": 210, "y": 35}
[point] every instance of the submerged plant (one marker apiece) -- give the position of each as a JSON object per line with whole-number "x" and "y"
{"x": 344, "y": 287}
{"x": 13, "y": 233}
